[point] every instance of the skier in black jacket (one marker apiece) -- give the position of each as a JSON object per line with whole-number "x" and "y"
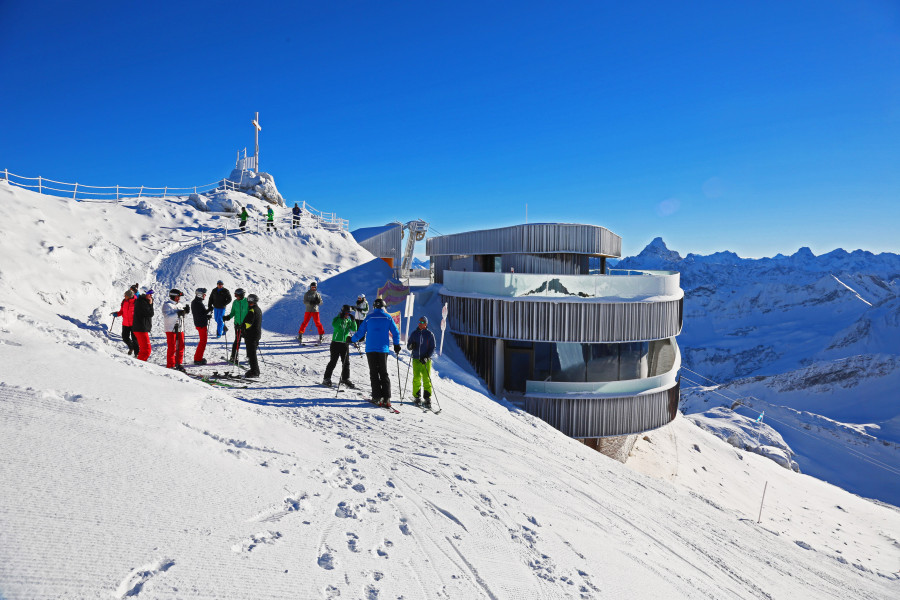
{"x": 143, "y": 323}
{"x": 201, "y": 322}
{"x": 251, "y": 330}
{"x": 219, "y": 299}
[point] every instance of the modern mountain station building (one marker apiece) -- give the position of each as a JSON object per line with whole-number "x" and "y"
{"x": 591, "y": 352}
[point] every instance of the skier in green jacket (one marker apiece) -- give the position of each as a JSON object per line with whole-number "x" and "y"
{"x": 342, "y": 328}
{"x": 244, "y": 216}
{"x": 270, "y": 219}
{"x": 238, "y": 312}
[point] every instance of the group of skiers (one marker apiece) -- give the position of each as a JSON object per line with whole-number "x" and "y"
{"x": 352, "y": 325}
{"x": 355, "y": 324}
{"x": 137, "y": 313}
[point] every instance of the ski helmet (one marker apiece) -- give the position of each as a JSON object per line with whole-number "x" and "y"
{"x": 313, "y": 284}
{"x": 252, "y": 299}
{"x": 201, "y": 291}
{"x": 423, "y": 319}
{"x": 379, "y": 302}
{"x": 175, "y": 292}
{"x": 346, "y": 310}
{"x": 239, "y": 292}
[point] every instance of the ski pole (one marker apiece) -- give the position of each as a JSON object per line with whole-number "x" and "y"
{"x": 406, "y": 381}
{"x": 397, "y": 356}
{"x": 434, "y": 390}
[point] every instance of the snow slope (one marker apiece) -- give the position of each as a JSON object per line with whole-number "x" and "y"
{"x": 124, "y": 479}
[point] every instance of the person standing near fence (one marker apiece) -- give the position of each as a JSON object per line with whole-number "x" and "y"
{"x": 143, "y": 323}
{"x": 297, "y": 212}
{"x": 219, "y": 300}
{"x": 126, "y": 311}
{"x": 312, "y": 300}
{"x": 270, "y": 219}
{"x": 201, "y": 322}
{"x": 238, "y": 312}
{"x": 244, "y": 216}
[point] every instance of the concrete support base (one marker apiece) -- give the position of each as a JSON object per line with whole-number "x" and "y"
{"x": 617, "y": 448}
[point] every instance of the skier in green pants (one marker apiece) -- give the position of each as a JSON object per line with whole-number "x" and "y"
{"x": 421, "y": 346}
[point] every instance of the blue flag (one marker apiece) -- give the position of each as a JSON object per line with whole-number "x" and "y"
{"x": 759, "y": 418}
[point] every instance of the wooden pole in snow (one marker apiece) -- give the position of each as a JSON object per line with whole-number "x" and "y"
{"x": 758, "y": 520}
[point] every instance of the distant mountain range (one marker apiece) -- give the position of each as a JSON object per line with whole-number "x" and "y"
{"x": 814, "y": 339}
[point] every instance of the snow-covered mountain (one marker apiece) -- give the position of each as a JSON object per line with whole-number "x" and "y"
{"x": 124, "y": 479}
{"x": 814, "y": 341}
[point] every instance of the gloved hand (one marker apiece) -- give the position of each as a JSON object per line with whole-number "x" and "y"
{"x": 225, "y": 327}
{"x": 227, "y": 317}
{"x": 115, "y": 314}
{"x": 412, "y": 345}
{"x": 180, "y": 312}
{"x": 187, "y": 310}
{"x": 396, "y": 348}
{"x": 424, "y": 361}
{"x": 356, "y": 345}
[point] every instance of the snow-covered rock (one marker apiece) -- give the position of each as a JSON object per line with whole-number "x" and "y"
{"x": 260, "y": 185}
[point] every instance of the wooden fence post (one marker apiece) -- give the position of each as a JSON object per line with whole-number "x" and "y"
{"x": 6, "y": 174}
{"x": 75, "y": 193}
{"x": 195, "y": 189}
{"x": 39, "y": 185}
{"x": 117, "y": 191}
{"x": 165, "y": 189}
{"x": 140, "y": 193}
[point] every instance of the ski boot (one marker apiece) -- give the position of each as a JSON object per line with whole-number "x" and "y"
{"x": 326, "y": 382}
{"x": 321, "y": 337}
{"x": 417, "y": 401}
{"x": 348, "y": 384}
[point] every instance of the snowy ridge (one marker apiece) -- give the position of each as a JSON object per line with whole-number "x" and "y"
{"x": 815, "y": 339}
{"x": 124, "y": 479}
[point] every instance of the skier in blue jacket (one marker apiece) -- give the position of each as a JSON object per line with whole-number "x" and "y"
{"x": 378, "y": 328}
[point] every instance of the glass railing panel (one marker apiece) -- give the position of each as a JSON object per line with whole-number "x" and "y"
{"x": 526, "y": 285}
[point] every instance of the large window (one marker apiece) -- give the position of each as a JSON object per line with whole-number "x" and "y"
{"x": 546, "y": 361}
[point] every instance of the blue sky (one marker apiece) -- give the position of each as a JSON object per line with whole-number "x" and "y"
{"x": 757, "y": 127}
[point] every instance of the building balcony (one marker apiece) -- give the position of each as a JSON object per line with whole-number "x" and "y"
{"x": 618, "y": 286}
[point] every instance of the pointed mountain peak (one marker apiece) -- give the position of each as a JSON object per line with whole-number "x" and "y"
{"x": 804, "y": 252}
{"x": 658, "y": 249}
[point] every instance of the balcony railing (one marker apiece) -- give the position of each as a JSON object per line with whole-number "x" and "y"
{"x": 605, "y": 389}
{"x": 630, "y": 285}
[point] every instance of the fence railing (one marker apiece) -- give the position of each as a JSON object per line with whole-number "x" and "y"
{"x": 110, "y": 193}
{"x": 114, "y": 193}
{"x": 247, "y": 163}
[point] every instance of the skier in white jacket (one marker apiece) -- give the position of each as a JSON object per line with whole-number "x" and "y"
{"x": 173, "y": 319}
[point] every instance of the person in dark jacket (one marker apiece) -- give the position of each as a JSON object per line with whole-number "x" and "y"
{"x": 201, "y": 321}
{"x": 219, "y": 299}
{"x": 421, "y": 346}
{"x": 126, "y": 311}
{"x": 342, "y": 327}
{"x": 378, "y": 328}
{"x": 295, "y": 223}
{"x": 143, "y": 323}
{"x": 251, "y": 329}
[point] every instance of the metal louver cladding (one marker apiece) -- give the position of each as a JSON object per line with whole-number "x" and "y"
{"x": 555, "y": 321}
{"x": 535, "y": 238}
{"x": 605, "y": 417}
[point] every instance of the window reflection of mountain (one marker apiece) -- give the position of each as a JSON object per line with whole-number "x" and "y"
{"x": 554, "y": 285}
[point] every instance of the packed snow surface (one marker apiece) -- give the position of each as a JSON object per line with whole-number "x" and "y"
{"x": 123, "y": 479}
